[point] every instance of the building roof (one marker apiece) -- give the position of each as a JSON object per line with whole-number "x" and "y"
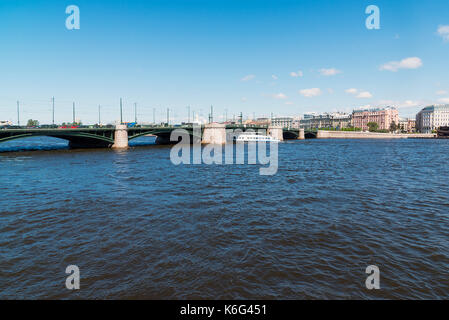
{"x": 436, "y": 107}
{"x": 373, "y": 109}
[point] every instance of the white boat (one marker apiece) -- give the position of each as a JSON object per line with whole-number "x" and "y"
{"x": 255, "y": 137}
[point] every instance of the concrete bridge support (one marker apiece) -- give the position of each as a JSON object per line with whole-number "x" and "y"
{"x": 302, "y": 135}
{"x": 120, "y": 137}
{"x": 214, "y": 133}
{"x": 276, "y": 132}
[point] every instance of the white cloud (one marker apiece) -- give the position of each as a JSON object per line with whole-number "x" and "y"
{"x": 248, "y": 77}
{"x": 330, "y": 90}
{"x": 289, "y": 103}
{"x": 409, "y": 103}
{"x": 359, "y": 94}
{"x": 329, "y": 72}
{"x": 243, "y": 99}
{"x": 275, "y": 77}
{"x": 280, "y": 96}
{"x": 403, "y": 104}
{"x": 364, "y": 95}
{"x": 441, "y": 92}
{"x": 296, "y": 74}
{"x": 313, "y": 92}
{"x": 444, "y": 100}
{"x": 386, "y": 102}
{"x": 351, "y": 91}
{"x": 443, "y": 31}
{"x": 407, "y": 63}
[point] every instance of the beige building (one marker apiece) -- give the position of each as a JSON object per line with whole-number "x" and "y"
{"x": 407, "y": 125}
{"x": 411, "y": 125}
{"x": 383, "y": 117}
{"x": 284, "y": 122}
{"x": 336, "y": 120}
{"x": 258, "y": 122}
{"x": 296, "y": 124}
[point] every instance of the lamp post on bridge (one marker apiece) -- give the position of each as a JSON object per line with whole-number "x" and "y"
{"x": 18, "y": 114}
{"x": 188, "y": 114}
{"x": 121, "y": 111}
{"x": 211, "y": 117}
{"x": 168, "y": 117}
{"x": 53, "y": 111}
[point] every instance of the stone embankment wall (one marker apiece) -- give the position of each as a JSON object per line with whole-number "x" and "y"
{"x": 370, "y": 135}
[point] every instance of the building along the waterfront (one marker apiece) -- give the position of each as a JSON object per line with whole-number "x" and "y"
{"x": 296, "y": 124}
{"x": 284, "y": 122}
{"x": 335, "y": 120}
{"x": 259, "y": 122}
{"x": 384, "y": 117}
{"x": 432, "y": 117}
{"x": 407, "y": 125}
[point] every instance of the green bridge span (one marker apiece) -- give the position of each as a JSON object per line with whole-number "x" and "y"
{"x": 106, "y": 137}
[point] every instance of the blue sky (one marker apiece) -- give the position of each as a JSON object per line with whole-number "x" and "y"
{"x": 285, "y": 57}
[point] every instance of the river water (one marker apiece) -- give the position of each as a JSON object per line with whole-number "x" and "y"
{"x": 138, "y": 226}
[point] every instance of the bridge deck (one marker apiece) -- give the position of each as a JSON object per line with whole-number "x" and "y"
{"x": 104, "y": 136}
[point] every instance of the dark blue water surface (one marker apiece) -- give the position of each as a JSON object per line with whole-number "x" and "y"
{"x": 138, "y": 226}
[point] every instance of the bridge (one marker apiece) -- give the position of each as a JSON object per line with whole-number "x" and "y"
{"x": 120, "y": 135}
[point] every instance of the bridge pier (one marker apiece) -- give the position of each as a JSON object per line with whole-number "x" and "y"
{"x": 214, "y": 133}
{"x": 276, "y": 132}
{"x": 120, "y": 137}
{"x": 302, "y": 135}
